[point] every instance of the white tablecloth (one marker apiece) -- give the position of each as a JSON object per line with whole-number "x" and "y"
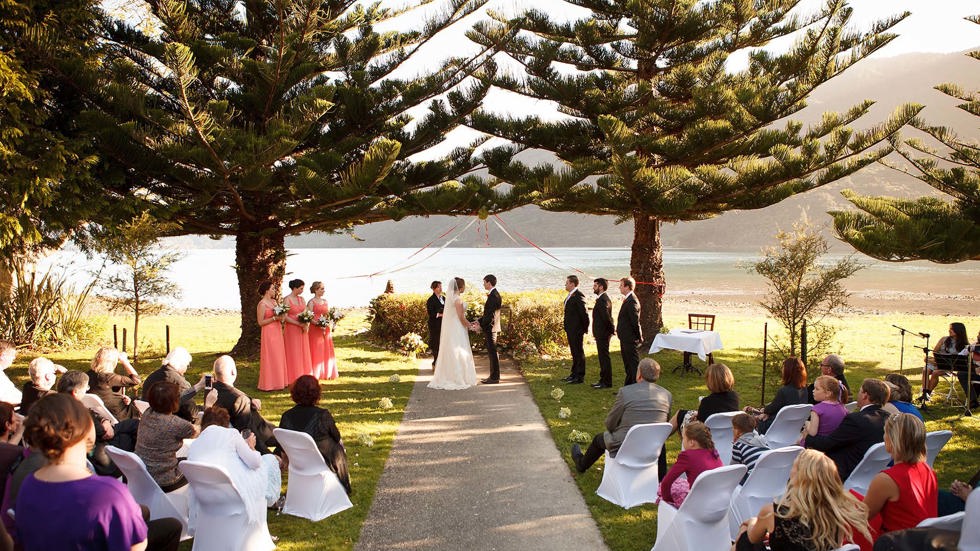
{"x": 697, "y": 342}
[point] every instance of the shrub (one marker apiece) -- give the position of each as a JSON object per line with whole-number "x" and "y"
{"x": 393, "y": 315}
{"x": 44, "y": 309}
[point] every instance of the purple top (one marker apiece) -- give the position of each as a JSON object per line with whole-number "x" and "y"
{"x": 831, "y": 414}
{"x": 97, "y": 512}
{"x": 692, "y": 463}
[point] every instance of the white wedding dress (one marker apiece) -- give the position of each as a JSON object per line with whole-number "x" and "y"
{"x": 455, "y": 369}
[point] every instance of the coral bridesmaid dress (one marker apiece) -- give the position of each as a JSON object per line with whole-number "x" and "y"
{"x": 272, "y": 361}
{"x": 321, "y": 346}
{"x": 297, "y": 345}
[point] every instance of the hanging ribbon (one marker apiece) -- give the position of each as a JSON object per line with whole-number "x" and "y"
{"x": 533, "y": 244}
{"x": 400, "y": 266}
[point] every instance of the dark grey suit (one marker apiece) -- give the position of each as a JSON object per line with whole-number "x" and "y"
{"x": 637, "y": 404}
{"x": 852, "y": 438}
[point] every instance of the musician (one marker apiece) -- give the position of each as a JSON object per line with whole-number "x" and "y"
{"x": 956, "y": 343}
{"x": 975, "y": 378}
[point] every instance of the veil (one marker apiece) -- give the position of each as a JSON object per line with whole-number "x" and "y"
{"x": 454, "y": 367}
{"x": 449, "y": 314}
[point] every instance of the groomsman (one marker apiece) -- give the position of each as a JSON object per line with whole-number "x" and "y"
{"x": 628, "y": 325}
{"x": 603, "y": 330}
{"x": 576, "y": 322}
{"x": 435, "y": 306}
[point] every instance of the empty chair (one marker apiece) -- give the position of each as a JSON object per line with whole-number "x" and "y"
{"x": 766, "y": 482}
{"x": 94, "y": 403}
{"x": 786, "y": 427}
{"x": 146, "y": 492}
{"x": 722, "y": 434}
{"x": 632, "y": 477}
{"x": 221, "y": 522}
{"x": 701, "y": 522}
{"x": 935, "y": 441}
{"x": 875, "y": 460}
{"x": 314, "y": 491}
{"x": 970, "y": 539}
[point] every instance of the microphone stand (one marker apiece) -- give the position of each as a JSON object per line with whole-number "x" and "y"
{"x": 901, "y": 351}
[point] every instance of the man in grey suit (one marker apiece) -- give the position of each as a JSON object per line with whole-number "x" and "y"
{"x": 643, "y": 402}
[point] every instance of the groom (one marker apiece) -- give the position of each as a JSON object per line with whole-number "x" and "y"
{"x": 490, "y": 324}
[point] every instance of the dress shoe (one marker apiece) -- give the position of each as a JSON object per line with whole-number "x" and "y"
{"x": 601, "y": 385}
{"x": 577, "y": 458}
{"x": 575, "y": 381}
{"x": 568, "y": 379}
{"x": 489, "y": 381}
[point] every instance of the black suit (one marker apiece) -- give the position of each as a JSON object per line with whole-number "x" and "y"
{"x": 490, "y": 308}
{"x": 435, "y": 307}
{"x": 576, "y": 322}
{"x": 244, "y": 416}
{"x": 849, "y": 441}
{"x": 629, "y": 336}
{"x": 603, "y": 330}
{"x": 188, "y": 409}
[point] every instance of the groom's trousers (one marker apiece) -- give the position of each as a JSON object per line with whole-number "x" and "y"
{"x": 491, "y": 340}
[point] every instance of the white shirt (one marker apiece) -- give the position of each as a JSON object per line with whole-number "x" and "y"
{"x": 8, "y": 391}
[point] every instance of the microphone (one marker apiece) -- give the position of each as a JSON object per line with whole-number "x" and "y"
{"x": 924, "y": 335}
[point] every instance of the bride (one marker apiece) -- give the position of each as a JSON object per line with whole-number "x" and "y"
{"x": 454, "y": 369}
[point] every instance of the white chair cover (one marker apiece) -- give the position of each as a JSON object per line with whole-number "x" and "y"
{"x": 94, "y": 403}
{"x": 935, "y": 441}
{"x": 147, "y": 492}
{"x": 787, "y": 426}
{"x": 952, "y": 522}
{"x": 849, "y": 547}
{"x": 851, "y": 407}
{"x": 766, "y": 482}
{"x": 875, "y": 460}
{"x": 722, "y": 434}
{"x": 221, "y": 522}
{"x": 701, "y": 522}
{"x": 632, "y": 477}
{"x": 970, "y": 538}
{"x": 314, "y": 491}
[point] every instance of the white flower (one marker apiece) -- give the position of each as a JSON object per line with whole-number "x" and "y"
{"x": 579, "y": 437}
{"x": 557, "y": 393}
{"x": 385, "y": 403}
{"x": 365, "y": 439}
{"x": 394, "y": 378}
{"x": 564, "y": 413}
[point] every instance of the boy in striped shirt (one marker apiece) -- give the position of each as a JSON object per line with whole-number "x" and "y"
{"x": 747, "y": 446}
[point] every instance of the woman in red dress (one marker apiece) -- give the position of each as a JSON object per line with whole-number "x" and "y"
{"x": 272, "y": 360}
{"x": 297, "y": 343}
{"x": 321, "y": 343}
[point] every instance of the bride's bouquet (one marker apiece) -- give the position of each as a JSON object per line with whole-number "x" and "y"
{"x": 305, "y": 316}
{"x": 280, "y": 309}
{"x": 322, "y": 321}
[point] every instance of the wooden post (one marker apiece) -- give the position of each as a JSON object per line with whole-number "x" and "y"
{"x": 803, "y": 343}
{"x": 124, "y": 339}
{"x": 115, "y": 336}
{"x": 765, "y": 353}
{"x": 168, "y": 338}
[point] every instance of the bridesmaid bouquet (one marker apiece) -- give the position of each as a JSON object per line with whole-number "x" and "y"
{"x": 335, "y": 316}
{"x": 305, "y": 316}
{"x": 322, "y": 321}
{"x": 280, "y": 309}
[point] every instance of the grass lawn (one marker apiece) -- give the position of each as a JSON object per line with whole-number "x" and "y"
{"x": 868, "y": 344}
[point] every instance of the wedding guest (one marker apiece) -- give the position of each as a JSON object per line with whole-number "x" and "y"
{"x": 858, "y": 431}
{"x": 575, "y": 320}
{"x": 747, "y": 445}
{"x": 699, "y": 455}
{"x": 110, "y": 386}
{"x": 44, "y": 374}
{"x": 602, "y": 331}
{"x": 828, "y": 413}
{"x": 121, "y": 435}
{"x": 272, "y": 356}
{"x": 720, "y": 382}
{"x": 161, "y": 434}
{"x": 307, "y": 417}
{"x": 8, "y": 392}
{"x": 832, "y": 365}
{"x": 970, "y": 384}
{"x": 815, "y": 513}
{"x": 791, "y": 393}
{"x": 629, "y": 334}
{"x": 297, "y": 343}
{"x": 172, "y": 370}
{"x": 954, "y": 500}
{"x": 900, "y": 396}
{"x": 435, "y": 307}
{"x": 244, "y": 411}
{"x": 956, "y": 343}
{"x": 11, "y": 434}
{"x": 321, "y": 342}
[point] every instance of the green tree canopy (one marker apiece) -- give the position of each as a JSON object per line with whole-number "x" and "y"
{"x": 660, "y": 127}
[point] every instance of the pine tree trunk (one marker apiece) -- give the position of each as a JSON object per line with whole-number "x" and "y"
{"x": 647, "y": 267}
{"x": 258, "y": 257}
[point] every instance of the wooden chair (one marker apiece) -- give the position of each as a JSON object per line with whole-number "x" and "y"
{"x": 699, "y": 322}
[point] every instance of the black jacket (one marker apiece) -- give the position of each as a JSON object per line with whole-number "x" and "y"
{"x": 629, "y": 321}
{"x": 576, "y": 316}
{"x": 848, "y": 443}
{"x": 490, "y": 308}
{"x": 434, "y": 307}
{"x": 602, "y": 323}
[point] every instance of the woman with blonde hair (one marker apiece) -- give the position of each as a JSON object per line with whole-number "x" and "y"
{"x": 720, "y": 381}
{"x": 815, "y": 513}
{"x": 104, "y": 382}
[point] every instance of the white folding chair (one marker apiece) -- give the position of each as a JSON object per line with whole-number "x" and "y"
{"x": 221, "y": 522}
{"x": 875, "y": 460}
{"x": 849, "y": 547}
{"x": 970, "y": 539}
{"x": 94, "y": 403}
{"x": 766, "y": 482}
{"x": 952, "y": 522}
{"x": 631, "y": 477}
{"x": 935, "y": 441}
{"x": 147, "y": 492}
{"x": 786, "y": 427}
{"x": 701, "y": 522}
{"x": 851, "y": 407}
{"x": 722, "y": 434}
{"x": 141, "y": 405}
{"x": 314, "y": 491}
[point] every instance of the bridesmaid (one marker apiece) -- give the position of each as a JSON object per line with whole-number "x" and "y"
{"x": 321, "y": 343}
{"x": 297, "y": 343}
{"x": 272, "y": 362}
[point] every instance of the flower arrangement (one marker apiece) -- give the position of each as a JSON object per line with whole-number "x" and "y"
{"x": 557, "y": 393}
{"x": 394, "y": 378}
{"x": 411, "y": 343}
{"x": 579, "y": 437}
{"x": 564, "y": 413}
{"x": 385, "y": 403}
{"x": 280, "y": 309}
{"x": 365, "y": 439}
{"x": 321, "y": 321}
{"x": 304, "y": 317}
{"x": 335, "y": 315}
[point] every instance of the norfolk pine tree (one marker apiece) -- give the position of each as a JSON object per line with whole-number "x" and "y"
{"x": 260, "y": 120}
{"x": 926, "y": 228}
{"x": 660, "y": 129}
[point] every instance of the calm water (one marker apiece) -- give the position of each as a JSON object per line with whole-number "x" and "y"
{"x": 207, "y": 278}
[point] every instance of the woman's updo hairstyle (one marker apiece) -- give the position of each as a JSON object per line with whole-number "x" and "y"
{"x": 296, "y": 283}
{"x": 316, "y": 286}
{"x": 56, "y": 423}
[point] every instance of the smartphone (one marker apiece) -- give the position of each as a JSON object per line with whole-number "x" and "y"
{"x": 207, "y": 382}
{"x": 246, "y": 433}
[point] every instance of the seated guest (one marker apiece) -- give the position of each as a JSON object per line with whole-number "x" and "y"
{"x": 747, "y": 445}
{"x": 173, "y": 370}
{"x": 722, "y": 399}
{"x": 858, "y": 431}
{"x": 832, "y": 365}
{"x": 108, "y": 385}
{"x": 43, "y": 373}
{"x": 828, "y": 413}
{"x": 900, "y": 395}
{"x": 244, "y": 411}
{"x": 636, "y": 404}
{"x": 954, "y": 500}
{"x": 161, "y": 434}
{"x": 699, "y": 455}
{"x": 791, "y": 393}
{"x": 907, "y": 493}
{"x": 974, "y": 377}
{"x": 815, "y": 513}
{"x": 92, "y": 512}
{"x": 8, "y": 392}
{"x": 956, "y": 343}
{"x": 11, "y": 452}
{"x": 121, "y": 435}
{"x": 257, "y": 476}
{"x": 306, "y": 417}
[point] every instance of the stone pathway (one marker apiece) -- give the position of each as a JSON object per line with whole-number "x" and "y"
{"x": 476, "y": 469}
